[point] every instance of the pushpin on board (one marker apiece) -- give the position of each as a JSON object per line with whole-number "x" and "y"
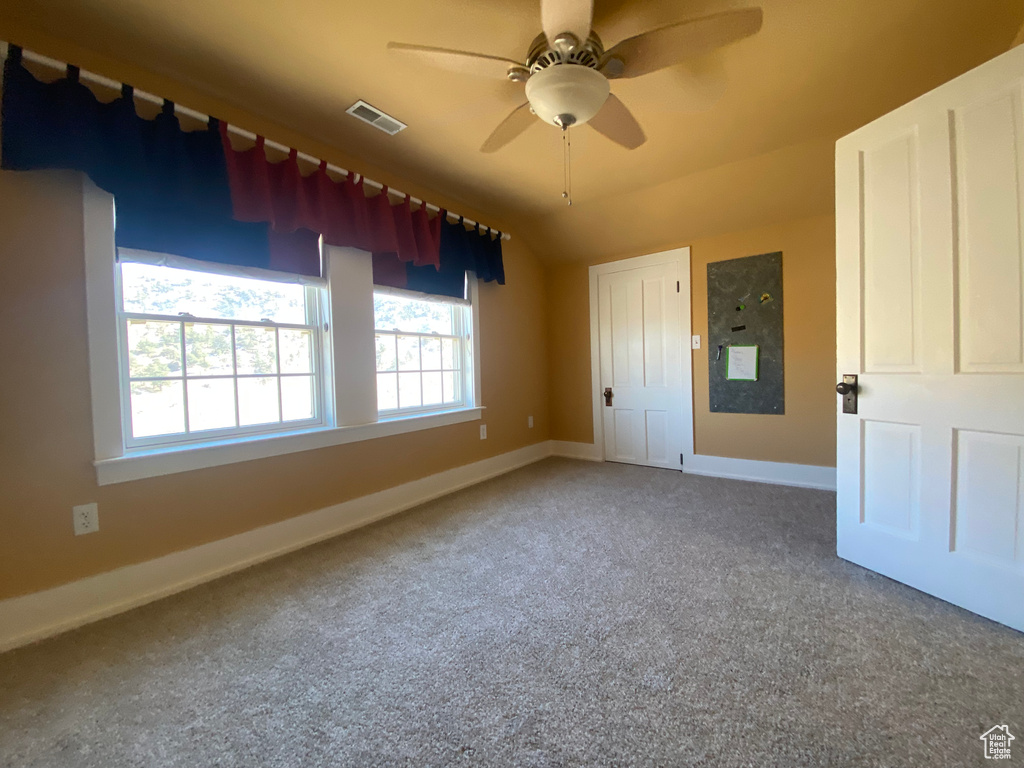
{"x": 765, "y": 298}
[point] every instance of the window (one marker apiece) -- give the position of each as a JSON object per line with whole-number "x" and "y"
{"x": 194, "y": 364}
{"x": 421, "y": 353}
{"x": 207, "y": 355}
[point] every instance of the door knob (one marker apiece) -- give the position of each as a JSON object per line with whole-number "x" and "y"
{"x": 608, "y": 396}
{"x": 844, "y": 388}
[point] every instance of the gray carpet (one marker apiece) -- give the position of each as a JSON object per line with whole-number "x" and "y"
{"x": 568, "y": 614}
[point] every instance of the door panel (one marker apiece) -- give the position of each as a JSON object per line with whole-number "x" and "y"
{"x": 655, "y": 374}
{"x": 625, "y": 313}
{"x": 891, "y": 479}
{"x": 638, "y": 319}
{"x": 989, "y": 153}
{"x": 990, "y": 495}
{"x": 892, "y": 256}
{"x": 657, "y": 437}
{"x": 623, "y": 444}
{"x": 930, "y": 296}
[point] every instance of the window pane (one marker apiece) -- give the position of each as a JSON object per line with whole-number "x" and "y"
{"x": 395, "y": 313}
{"x": 257, "y": 401}
{"x": 154, "y": 348}
{"x": 156, "y": 290}
{"x": 208, "y": 351}
{"x": 386, "y": 358}
{"x": 448, "y": 353}
{"x": 255, "y": 349}
{"x": 211, "y": 404}
{"x": 296, "y": 351}
{"x": 431, "y": 352}
{"x": 296, "y": 398}
{"x": 409, "y": 390}
{"x": 432, "y": 389}
{"x": 408, "y": 353}
{"x": 158, "y": 408}
{"x": 450, "y": 385}
{"x": 387, "y": 391}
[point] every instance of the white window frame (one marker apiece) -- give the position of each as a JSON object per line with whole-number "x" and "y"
{"x": 463, "y": 332}
{"x": 349, "y": 397}
{"x": 315, "y": 300}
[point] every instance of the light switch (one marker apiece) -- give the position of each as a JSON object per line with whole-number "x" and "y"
{"x": 695, "y": 341}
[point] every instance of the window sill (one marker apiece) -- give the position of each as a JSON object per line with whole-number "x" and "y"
{"x": 181, "y": 458}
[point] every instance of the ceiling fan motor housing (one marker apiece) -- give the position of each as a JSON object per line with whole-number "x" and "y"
{"x": 568, "y": 50}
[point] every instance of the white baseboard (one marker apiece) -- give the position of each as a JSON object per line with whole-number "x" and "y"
{"x": 585, "y": 451}
{"x": 777, "y": 473}
{"x": 35, "y": 616}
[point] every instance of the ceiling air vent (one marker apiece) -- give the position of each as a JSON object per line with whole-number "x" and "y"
{"x": 376, "y": 118}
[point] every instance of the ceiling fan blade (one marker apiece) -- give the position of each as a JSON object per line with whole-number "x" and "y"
{"x": 518, "y": 121}
{"x": 457, "y": 61}
{"x": 558, "y": 16}
{"x": 617, "y": 123}
{"x": 660, "y": 48}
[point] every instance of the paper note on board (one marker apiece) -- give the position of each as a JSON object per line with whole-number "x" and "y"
{"x": 742, "y": 363}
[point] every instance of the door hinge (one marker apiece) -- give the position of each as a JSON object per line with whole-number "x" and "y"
{"x": 677, "y": 286}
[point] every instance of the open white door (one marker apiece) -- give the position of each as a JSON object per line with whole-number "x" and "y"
{"x": 930, "y": 303}
{"x": 642, "y": 405}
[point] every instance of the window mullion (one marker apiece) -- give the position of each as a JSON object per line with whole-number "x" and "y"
{"x": 464, "y": 367}
{"x": 184, "y": 374}
{"x": 314, "y": 316}
{"x": 234, "y": 377}
{"x": 420, "y": 347}
{"x": 277, "y": 378}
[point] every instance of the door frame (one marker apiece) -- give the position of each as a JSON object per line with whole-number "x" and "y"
{"x": 680, "y": 257}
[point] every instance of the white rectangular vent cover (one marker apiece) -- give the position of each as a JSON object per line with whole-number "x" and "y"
{"x": 376, "y": 118}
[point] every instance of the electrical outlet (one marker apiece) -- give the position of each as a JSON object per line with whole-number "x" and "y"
{"x": 483, "y": 431}
{"x": 696, "y": 341}
{"x": 529, "y": 422}
{"x": 86, "y": 518}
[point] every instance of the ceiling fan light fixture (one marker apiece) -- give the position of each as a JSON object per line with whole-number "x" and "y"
{"x": 567, "y": 91}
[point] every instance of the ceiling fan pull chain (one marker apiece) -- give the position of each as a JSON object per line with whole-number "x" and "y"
{"x": 566, "y": 166}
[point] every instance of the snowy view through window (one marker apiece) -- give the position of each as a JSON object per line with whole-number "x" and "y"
{"x": 216, "y": 352}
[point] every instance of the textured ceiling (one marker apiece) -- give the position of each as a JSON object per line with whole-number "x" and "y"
{"x": 817, "y": 70}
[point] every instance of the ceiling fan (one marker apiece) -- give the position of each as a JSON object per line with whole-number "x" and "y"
{"x": 567, "y": 69}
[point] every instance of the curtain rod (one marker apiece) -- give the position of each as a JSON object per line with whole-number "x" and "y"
{"x": 113, "y": 84}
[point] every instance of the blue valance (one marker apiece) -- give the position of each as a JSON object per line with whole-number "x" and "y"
{"x": 173, "y": 190}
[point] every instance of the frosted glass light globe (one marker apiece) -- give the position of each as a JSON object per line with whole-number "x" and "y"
{"x": 567, "y": 94}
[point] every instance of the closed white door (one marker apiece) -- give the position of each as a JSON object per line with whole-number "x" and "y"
{"x": 640, "y": 369}
{"x": 930, "y": 301}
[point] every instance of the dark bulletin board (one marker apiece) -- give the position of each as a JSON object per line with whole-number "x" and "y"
{"x": 738, "y": 314}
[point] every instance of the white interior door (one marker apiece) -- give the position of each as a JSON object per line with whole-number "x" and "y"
{"x": 930, "y": 302}
{"x": 640, "y": 363}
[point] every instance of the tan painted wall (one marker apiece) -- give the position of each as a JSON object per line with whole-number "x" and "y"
{"x": 806, "y": 433}
{"x": 538, "y": 321}
{"x": 46, "y": 446}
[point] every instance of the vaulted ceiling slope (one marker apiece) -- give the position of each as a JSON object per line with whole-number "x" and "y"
{"x": 814, "y": 72}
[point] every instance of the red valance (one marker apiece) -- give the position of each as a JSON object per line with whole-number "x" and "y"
{"x": 278, "y": 193}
